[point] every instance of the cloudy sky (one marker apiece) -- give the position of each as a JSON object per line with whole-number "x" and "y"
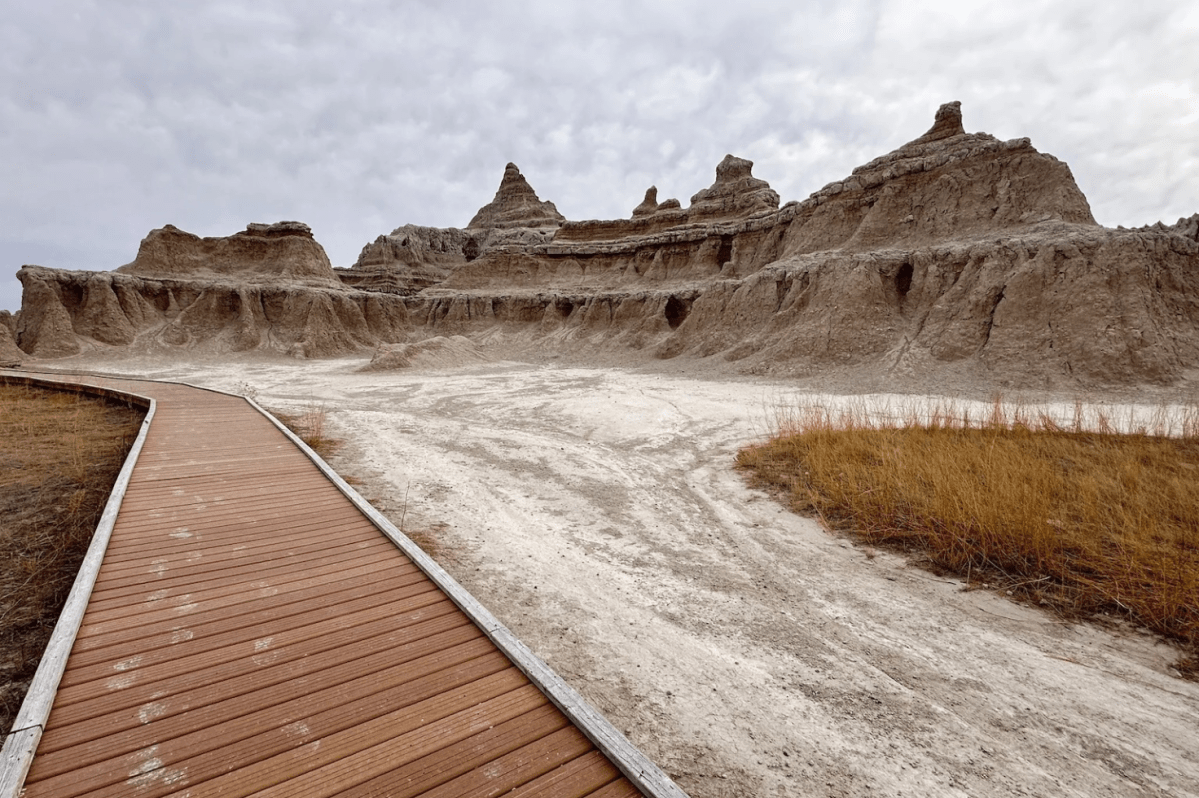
{"x": 358, "y": 116}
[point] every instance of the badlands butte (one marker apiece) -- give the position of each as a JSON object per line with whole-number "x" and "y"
{"x": 956, "y": 257}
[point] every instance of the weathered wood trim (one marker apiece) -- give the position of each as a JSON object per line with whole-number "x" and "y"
{"x": 643, "y": 773}
{"x": 92, "y": 390}
{"x": 635, "y": 766}
{"x": 21, "y": 743}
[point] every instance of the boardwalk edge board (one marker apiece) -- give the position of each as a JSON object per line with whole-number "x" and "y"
{"x": 636, "y": 767}
{"x": 21, "y": 743}
{"x": 630, "y": 760}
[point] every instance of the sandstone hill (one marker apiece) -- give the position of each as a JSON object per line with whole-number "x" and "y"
{"x": 956, "y": 255}
{"x": 260, "y": 252}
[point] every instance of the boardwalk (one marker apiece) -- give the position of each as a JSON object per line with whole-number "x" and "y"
{"x": 253, "y": 632}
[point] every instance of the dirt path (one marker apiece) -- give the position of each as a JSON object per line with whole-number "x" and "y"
{"x": 745, "y": 650}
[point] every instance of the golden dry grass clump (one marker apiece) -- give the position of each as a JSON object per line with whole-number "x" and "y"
{"x": 1071, "y": 515}
{"x": 60, "y": 453}
{"x": 309, "y": 426}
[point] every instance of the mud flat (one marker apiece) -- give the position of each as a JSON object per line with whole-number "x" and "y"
{"x": 746, "y": 650}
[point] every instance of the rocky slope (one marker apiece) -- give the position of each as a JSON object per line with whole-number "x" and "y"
{"x": 10, "y": 354}
{"x": 957, "y": 254}
{"x": 284, "y": 250}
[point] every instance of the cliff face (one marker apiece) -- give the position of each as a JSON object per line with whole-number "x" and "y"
{"x": 284, "y": 250}
{"x": 945, "y": 185}
{"x": 956, "y": 254}
{"x": 68, "y": 312}
{"x": 410, "y": 259}
{"x": 10, "y": 353}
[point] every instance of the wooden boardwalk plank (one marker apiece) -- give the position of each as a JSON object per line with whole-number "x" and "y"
{"x": 504, "y": 773}
{"x": 215, "y": 665}
{"x": 205, "y": 636}
{"x": 206, "y": 753}
{"x": 253, "y": 630}
{"x": 251, "y": 613}
{"x": 125, "y": 697}
{"x": 206, "y": 652}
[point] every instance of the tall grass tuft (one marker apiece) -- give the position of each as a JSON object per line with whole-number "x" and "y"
{"x": 309, "y": 426}
{"x": 1065, "y": 512}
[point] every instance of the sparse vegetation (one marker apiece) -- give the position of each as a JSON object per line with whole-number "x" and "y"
{"x": 308, "y": 424}
{"x": 429, "y": 540}
{"x": 60, "y": 453}
{"x": 1068, "y": 514}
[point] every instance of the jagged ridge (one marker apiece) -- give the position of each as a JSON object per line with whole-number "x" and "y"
{"x": 956, "y": 253}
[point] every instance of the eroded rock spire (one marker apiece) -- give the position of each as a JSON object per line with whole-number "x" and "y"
{"x": 516, "y": 204}
{"x": 946, "y": 124}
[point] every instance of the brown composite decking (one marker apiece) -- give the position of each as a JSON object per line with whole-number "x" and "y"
{"x": 252, "y": 632}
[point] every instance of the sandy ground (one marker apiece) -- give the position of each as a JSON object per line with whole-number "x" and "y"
{"x": 744, "y": 649}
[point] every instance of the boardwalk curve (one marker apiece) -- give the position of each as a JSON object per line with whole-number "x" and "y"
{"x": 257, "y": 628}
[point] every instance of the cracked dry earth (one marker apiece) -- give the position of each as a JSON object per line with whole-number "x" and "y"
{"x": 744, "y": 649}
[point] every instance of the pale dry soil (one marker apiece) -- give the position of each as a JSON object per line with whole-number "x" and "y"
{"x": 746, "y": 650}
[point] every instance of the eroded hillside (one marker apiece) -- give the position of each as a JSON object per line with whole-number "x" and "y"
{"x": 956, "y": 254}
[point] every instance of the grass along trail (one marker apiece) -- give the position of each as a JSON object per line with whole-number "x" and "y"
{"x": 1069, "y": 515}
{"x": 60, "y": 453}
{"x": 599, "y": 514}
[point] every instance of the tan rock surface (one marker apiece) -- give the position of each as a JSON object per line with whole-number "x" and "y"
{"x": 516, "y": 205}
{"x": 198, "y": 316}
{"x": 411, "y": 258}
{"x": 44, "y": 327}
{"x": 10, "y": 355}
{"x": 283, "y": 250}
{"x": 431, "y": 353}
{"x": 955, "y": 257}
{"x": 736, "y": 192}
{"x": 650, "y": 205}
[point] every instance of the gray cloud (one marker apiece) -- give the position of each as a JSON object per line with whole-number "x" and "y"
{"x": 356, "y": 117}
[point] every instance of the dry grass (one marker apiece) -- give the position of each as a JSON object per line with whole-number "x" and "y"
{"x": 60, "y": 453}
{"x": 1066, "y": 513}
{"x": 429, "y": 540}
{"x": 309, "y": 425}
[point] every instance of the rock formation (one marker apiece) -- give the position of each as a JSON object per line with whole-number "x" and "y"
{"x": 260, "y": 252}
{"x": 736, "y": 192}
{"x": 650, "y": 205}
{"x": 735, "y": 195}
{"x": 412, "y": 258}
{"x": 10, "y": 354}
{"x": 1188, "y": 227}
{"x": 439, "y": 352}
{"x": 269, "y": 287}
{"x": 957, "y": 255}
{"x": 516, "y": 205}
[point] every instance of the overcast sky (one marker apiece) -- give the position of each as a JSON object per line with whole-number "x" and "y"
{"x": 359, "y": 116}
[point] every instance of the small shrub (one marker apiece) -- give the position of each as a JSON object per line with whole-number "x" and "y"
{"x": 309, "y": 425}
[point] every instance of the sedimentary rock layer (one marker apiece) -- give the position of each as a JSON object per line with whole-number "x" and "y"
{"x": 68, "y": 312}
{"x": 516, "y": 205}
{"x": 956, "y": 253}
{"x": 285, "y": 250}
